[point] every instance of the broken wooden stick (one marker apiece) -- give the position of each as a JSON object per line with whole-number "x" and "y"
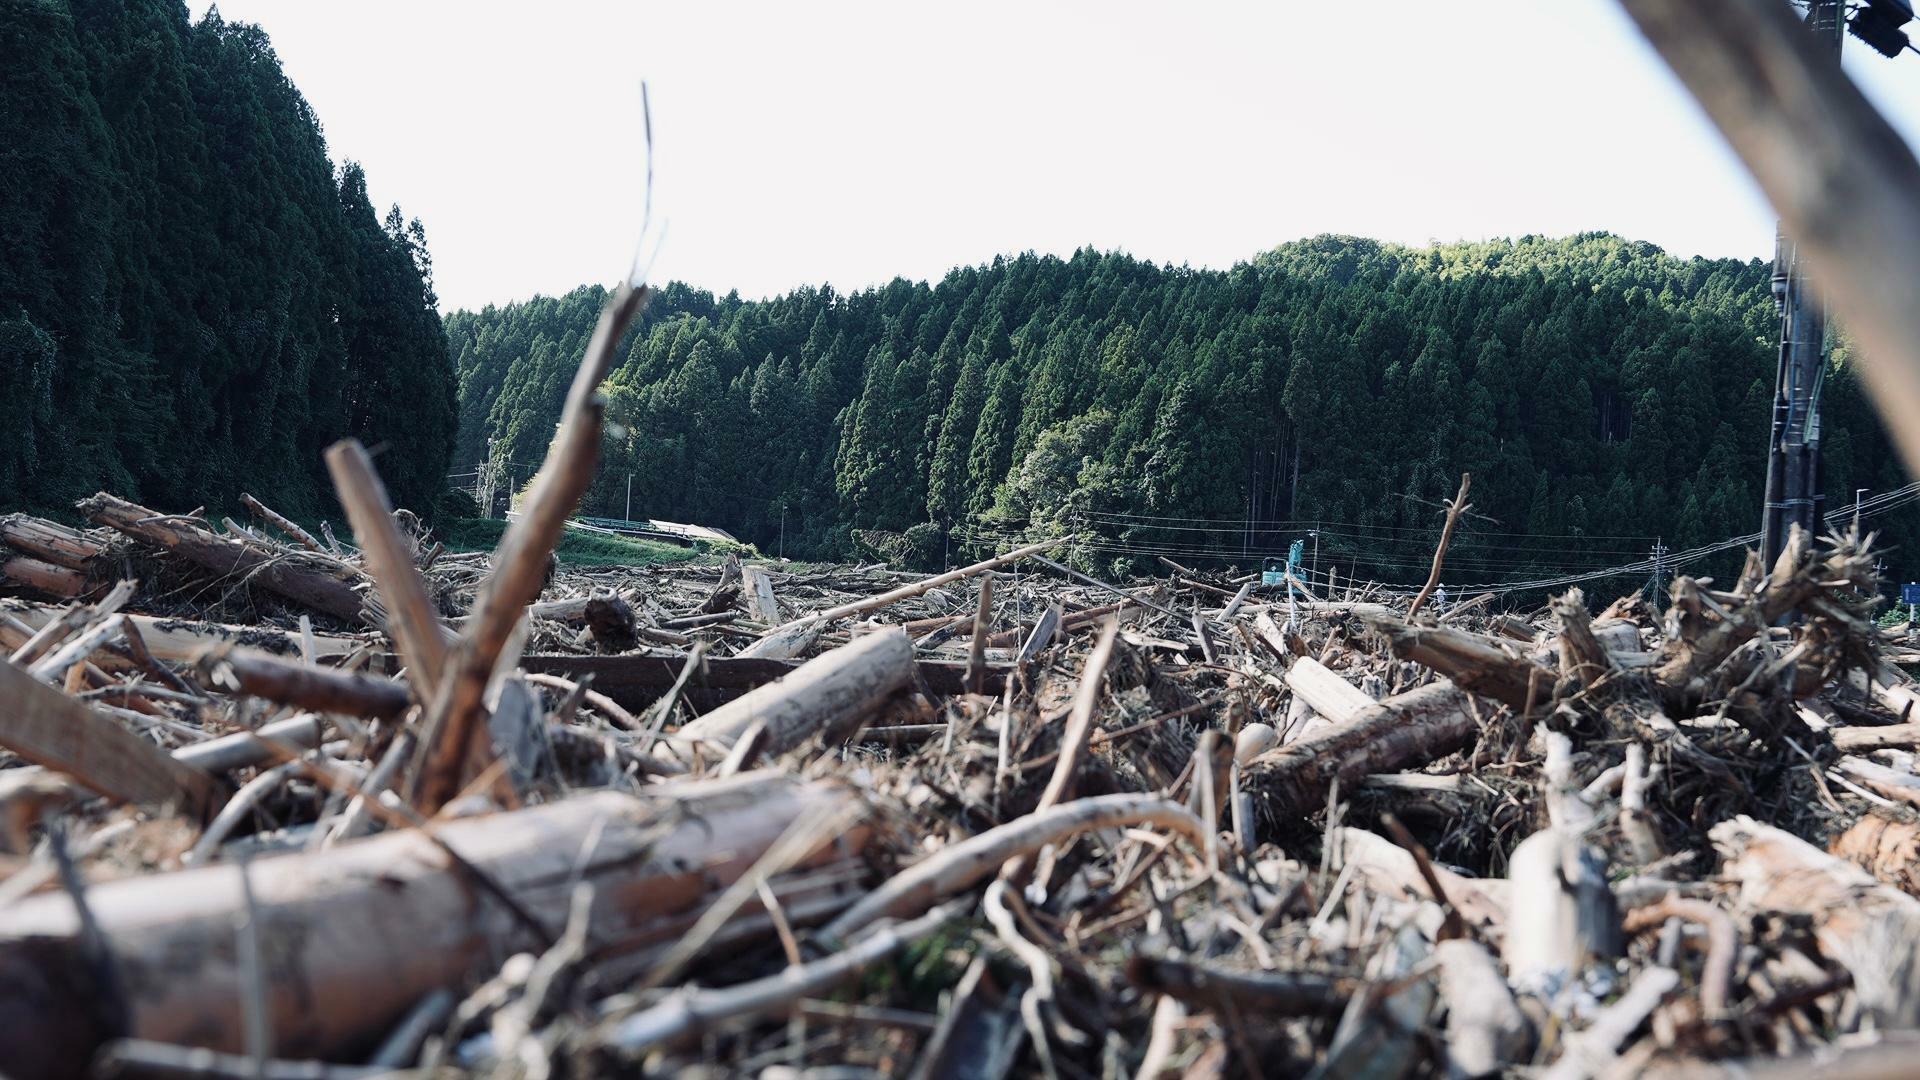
{"x": 976, "y": 858}
{"x": 520, "y": 563}
{"x": 411, "y": 619}
{"x": 286, "y": 526}
{"x": 1454, "y": 509}
{"x": 50, "y": 729}
{"x": 1844, "y": 182}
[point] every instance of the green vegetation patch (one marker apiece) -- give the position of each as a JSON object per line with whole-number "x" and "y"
{"x": 576, "y": 548}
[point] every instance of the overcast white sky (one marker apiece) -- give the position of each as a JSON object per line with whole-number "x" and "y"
{"x": 852, "y": 142}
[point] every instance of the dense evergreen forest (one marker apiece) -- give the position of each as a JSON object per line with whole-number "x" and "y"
{"x": 1603, "y": 394}
{"x": 193, "y": 300}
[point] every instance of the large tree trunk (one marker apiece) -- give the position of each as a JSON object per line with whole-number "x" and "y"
{"x": 1408, "y": 729}
{"x": 352, "y": 937}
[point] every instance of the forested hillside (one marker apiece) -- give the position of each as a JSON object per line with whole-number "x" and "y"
{"x": 1601, "y": 392}
{"x": 193, "y": 300}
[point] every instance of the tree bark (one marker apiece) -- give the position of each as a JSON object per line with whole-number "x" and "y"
{"x": 833, "y": 689}
{"x": 1407, "y": 730}
{"x": 353, "y": 936}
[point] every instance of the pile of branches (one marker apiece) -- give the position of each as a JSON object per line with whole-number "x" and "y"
{"x": 283, "y": 805}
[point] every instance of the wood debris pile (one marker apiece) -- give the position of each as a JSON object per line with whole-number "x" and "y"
{"x": 752, "y": 819}
{"x": 292, "y": 807}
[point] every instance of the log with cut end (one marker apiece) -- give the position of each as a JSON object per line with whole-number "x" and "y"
{"x": 832, "y": 690}
{"x": 317, "y": 589}
{"x": 1404, "y": 731}
{"x": 353, "y": 936}
{"x": 1886, "y": 847}
{"x": 44, "y": 578}
{"x": 50, "y": 541}
{"x": 1869, "y": 928}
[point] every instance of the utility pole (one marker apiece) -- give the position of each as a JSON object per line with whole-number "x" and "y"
{"x": 629, "y": 517}
{"x": 783, "y": 531}
{"x": 1857, "y": 492}
{"x": 1793, "y": 446}
{"x": 1313, "y": 572}
{"x": 1659, "y": 570}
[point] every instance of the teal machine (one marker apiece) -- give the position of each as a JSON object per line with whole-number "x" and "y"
{"x": 1275, "y": 571}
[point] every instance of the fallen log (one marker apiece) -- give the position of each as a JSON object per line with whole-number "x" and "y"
{"x": 285, "y": 577}
{"x": 833, "y": 689}
{"x": 1405, "y": 730}
{"x": 1480, "y": 665}
{"x": 636, "y": 682}
{"x": 1865, "y": 926}
{"x": 354, "y": 936}
{"x": 287, "y": 682}
{"x": 50, "y": 729}
{"x": 1260, "y": 993}
{"x": 50, "y": 541}
{"x": 45, "y": 578}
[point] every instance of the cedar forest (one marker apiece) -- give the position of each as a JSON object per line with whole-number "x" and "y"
{"x": 208, "y": 301}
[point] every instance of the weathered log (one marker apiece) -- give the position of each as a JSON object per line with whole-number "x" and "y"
{"x": 1481, "y": 665}
{"x": 353, "y": 936}
{"x": 1405, "y": 730}
{"x": 50, "y": 729}
{"x": 1865, "y": 926}
{"x": 761, "y": 603}
{"x": 288, "y": 682}
{"x": 1886, "y": 847}
{"x": 45, "y": 578}
{"x": 1258, "y": 993}
{"x": 244, "y": 749}
{"x": 317, "y": 589}
{"x": 835, "y": 689}
{"x": 1391, "y": 870}
{"x": 1326, "y": 691}
{"x": 50, "y": 541}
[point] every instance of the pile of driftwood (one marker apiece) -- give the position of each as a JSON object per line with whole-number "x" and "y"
{"x": 1001, "y": 821}
{"x": 297, "y": 807}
